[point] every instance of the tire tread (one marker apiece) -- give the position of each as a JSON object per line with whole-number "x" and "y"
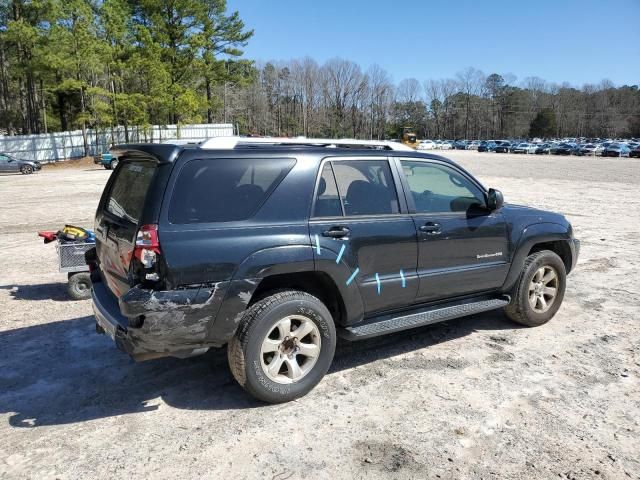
{"x": 237, "y": 345}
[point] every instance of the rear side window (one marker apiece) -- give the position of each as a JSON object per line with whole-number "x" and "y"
{"x": 366, "y": 187}
{"x": 327, "y": 198}
{"x": 129, "y": 189}
{"x": 224, "y": 190}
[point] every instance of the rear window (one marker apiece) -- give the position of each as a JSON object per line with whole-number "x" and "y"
{"x": 129, "y": 190}
{"x": 224, "y": 190}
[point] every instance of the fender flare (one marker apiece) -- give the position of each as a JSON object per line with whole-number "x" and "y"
{"x": 247, "y": 277}
{"x": 298, "y": 259}
{"x": 532, "y": 235}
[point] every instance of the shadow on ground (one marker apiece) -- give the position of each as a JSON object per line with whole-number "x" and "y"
{"x": 45, "y": 291}
{"x": 63, "y": 372}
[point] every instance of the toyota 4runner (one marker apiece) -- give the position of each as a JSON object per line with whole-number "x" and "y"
{"x": 275, "y": 248}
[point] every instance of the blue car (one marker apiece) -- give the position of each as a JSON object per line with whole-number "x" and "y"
{"x": 107, "y": 160}
{"x": 616, "y": 150}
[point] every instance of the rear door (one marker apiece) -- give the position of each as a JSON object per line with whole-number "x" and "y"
{"x": 362, "y": 233}
{"x": 8, "y": 164}
{"x": 463, "y": 248}
{"x": 118, "y": 220}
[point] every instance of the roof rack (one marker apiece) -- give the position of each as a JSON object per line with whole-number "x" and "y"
{"x": 230, "y": 143}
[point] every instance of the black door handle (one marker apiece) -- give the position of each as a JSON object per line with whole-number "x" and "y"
{"x": 336, "y": 232}
{"x": 431, "y": 228}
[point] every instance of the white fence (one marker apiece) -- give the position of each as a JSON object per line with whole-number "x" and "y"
{"x": 63, "y": 145}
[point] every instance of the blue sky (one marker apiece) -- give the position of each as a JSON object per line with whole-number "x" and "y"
{"x": 563, "y": 40}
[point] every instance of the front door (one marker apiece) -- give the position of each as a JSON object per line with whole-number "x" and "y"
{"x": 463, "y": 247}
{"x": 362, "y": 233}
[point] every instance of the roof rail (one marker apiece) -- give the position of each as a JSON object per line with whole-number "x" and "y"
{"x": 181, "y": 141}
{"x": 229, "y": 143}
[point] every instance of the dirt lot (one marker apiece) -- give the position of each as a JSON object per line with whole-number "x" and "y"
{"x": 473, "y": 398}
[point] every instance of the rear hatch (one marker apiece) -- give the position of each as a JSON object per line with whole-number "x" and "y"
{"x": 130, "y": 201}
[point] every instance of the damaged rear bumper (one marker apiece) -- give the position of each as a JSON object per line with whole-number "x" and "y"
{"x": 149, "y": 324}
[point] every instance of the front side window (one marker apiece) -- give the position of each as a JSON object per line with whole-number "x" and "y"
{"x": 437, "y": 188}
{"x": 224, "y": 190}
{"x": 366, "y": 187}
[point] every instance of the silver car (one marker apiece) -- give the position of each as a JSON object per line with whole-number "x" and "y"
{"x": 10, "y": 164}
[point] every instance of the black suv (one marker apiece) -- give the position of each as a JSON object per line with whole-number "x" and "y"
{"x": 277, "y": 249}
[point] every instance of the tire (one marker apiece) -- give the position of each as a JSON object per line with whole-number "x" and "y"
{"x": 260, "y": 329}
{"x": 26, "y": 169}
{"x": 79, "y": 286}
{"x": 113, "y": 164}
{"x": 522, "y": 309}
{"x": 107, "y": 166}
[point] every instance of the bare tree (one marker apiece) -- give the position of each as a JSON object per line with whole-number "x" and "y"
{"x": 470, "y": 81}
{"x": 341, "y": 82}
{"x": 380, "y": 93}
{"x": 408, "y": 91}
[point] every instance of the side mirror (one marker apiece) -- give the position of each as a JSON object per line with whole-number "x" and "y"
{"x": 495, "y": 199}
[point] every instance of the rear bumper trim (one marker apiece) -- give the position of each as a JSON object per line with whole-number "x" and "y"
{"x": 108, "y": 317}
{"x": 168, "y": 326}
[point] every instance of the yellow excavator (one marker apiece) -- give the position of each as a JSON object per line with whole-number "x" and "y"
{"x": 409, "y": 137}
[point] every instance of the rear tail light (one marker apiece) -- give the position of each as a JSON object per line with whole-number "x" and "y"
{"x": 147, "y": 245}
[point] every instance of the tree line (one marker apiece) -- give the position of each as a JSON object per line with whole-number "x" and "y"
{"x": 78, "y": 64}
{"x": 339, "y": 99}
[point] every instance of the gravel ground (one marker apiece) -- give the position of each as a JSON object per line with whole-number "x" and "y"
{"x": 473, "y": 398}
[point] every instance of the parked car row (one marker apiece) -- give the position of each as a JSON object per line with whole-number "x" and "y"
{"x": 579, "y": 147}
{"x": 436, "y": 145}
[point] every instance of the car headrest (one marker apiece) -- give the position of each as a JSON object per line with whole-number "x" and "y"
{"x": 322, "y": 186}
{"x": 365, "y": 198}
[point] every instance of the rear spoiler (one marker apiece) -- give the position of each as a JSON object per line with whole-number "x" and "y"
{"x": 159, "y": 152}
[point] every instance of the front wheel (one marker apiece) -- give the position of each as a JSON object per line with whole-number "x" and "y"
{"x": 283, "y": 347}
{"x": 26, "y": 169}
{"x": 539, "y": 291}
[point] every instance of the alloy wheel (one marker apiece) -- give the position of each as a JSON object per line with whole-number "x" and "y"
{"x": 543, "y": 289}
{"x": 290, "y": 349}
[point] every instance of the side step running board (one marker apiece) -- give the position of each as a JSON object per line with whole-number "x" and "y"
{"x": 426, "y": 316}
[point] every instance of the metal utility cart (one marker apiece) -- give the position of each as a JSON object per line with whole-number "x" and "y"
{"x": 71, "y": 245}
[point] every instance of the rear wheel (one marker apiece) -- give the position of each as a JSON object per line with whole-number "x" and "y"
{"x": 540, "y": 289}
{"x": 26, "y": 169}
{"x": 283, "y": 346}
{"x": 114, "y": 163}
{"x": 79, "y": 286}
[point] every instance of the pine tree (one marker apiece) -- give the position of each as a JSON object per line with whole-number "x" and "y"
{"x": 544, "y": 124}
